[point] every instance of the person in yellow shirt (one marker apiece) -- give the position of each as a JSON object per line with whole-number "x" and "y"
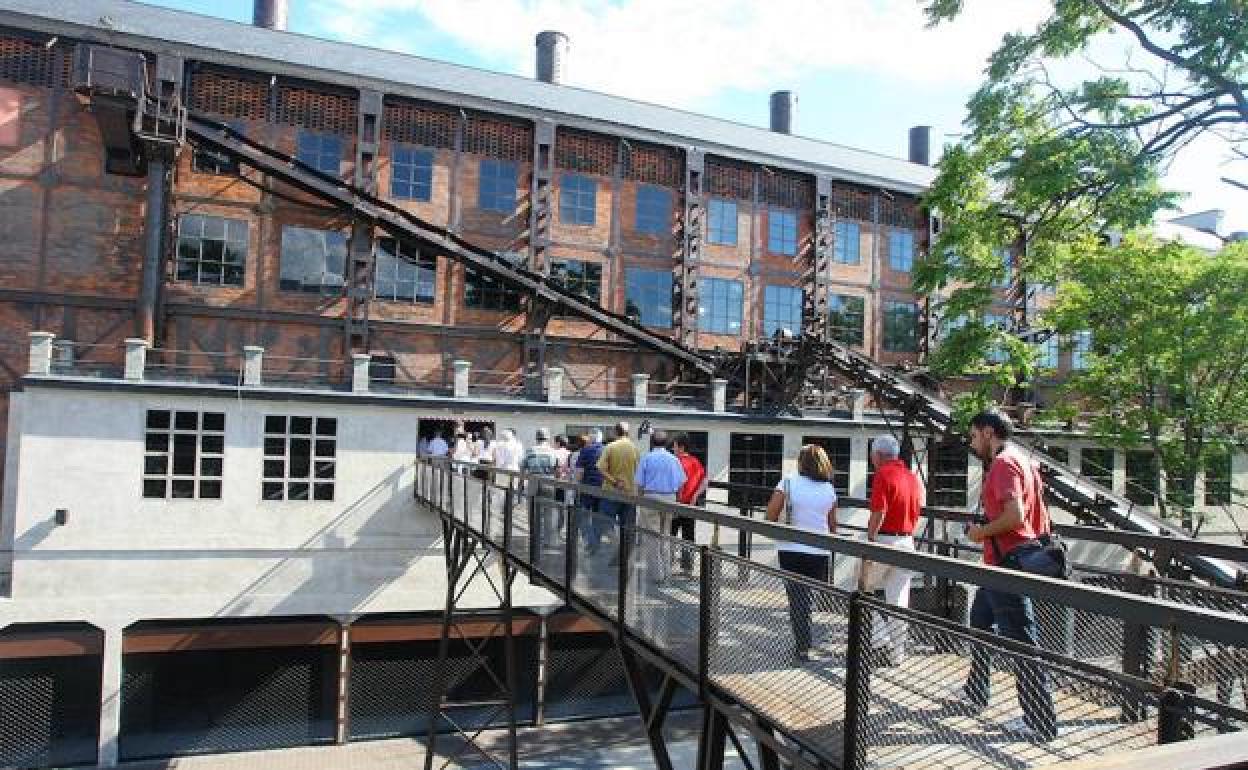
{"x": 618, "y": 465}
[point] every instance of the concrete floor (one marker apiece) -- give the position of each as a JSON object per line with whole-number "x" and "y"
{"x": 606, "y": 744}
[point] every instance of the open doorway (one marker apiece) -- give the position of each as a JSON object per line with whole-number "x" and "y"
{"x": 447, "y": 429}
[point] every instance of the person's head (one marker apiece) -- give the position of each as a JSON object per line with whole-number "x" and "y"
{"x": 561, "y": 441}
{"x": 990, "y": 429}
{"x": 658, "y": 439}
{"x": 487, "y": 435}
{"x": 542, "y": 435}
{"x": 582, "y": 441}
{"x": 509, "y": 435}
{"x": 813, "y": 463}
{"x": 595, "y": 436}
{"x": 621, "y": 429}
{"x": 680, "y": 442}
{"x": 884, "y": 448}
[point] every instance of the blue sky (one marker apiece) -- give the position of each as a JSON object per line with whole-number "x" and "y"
{"x": 864, "y": 70}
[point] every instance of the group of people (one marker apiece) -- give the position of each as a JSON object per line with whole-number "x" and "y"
{"x": 1014, "y": 529}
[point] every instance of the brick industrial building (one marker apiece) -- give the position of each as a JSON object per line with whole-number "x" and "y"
{"x": 590, "y": 188}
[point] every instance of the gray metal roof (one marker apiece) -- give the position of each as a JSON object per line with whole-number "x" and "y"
{"x": 123, "y": 22}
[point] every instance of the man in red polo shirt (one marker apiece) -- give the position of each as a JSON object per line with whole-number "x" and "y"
{"x": 689, "y": 494}
{"x": 1014, "y": 518}
{"x": 896, "y": 499}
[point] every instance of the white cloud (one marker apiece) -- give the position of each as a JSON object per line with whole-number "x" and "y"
{"x": 681, "y": 53}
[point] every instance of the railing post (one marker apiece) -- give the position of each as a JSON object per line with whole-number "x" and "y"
{"x": 253, "y": 365}
{"x": 41, "y": 353}
{"x": 459, "y": 386}
{"x": 359, "y": 372}
{"x": 705, "y": 587}
{"x": 641, "y": 389}
{"x": 136, "y": 358}
{"x": 1136, "y": 644}
{"x": 857, "y": 685}
{"x": 554, "y": 384}
{"x": 719, "y": 395}
{"x": 1174, "y": 722}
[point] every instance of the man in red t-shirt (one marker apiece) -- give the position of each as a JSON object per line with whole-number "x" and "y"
{"x": 896, "y": 499}
{"x": 1012, "y": 497}
{"x": 689, "y": 494}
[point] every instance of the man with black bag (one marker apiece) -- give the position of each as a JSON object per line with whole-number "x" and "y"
{"x": 1015, "y": 533}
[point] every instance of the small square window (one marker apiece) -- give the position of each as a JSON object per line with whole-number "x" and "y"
{"x": 322, "y": 152}
{"x": 497, "y": 186}
{"x": 578, "y": 196}
{"x": 722, "y": 222}
{"x": 289, "y": 466}
{"x": 654, "y": 210}
{"x": 901, "y": 250}
{"x": 847, "y": 243}
{"x": 782, "y": 231}
{"x": 411, "y": 173}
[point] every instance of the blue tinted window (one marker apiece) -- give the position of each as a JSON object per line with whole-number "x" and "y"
{"x": 722, "y": 222}
{"x": 720, "y": 305}
{"x": 648, "y": 296}
{"x": 654, "y": 210}
{"x": 496, "y": 186}
{"x": 847, "y": 243}
{"x": 901, "y": 250}
{"x": 411, "y": 173}
{"x": 782, "y": 309}
{"x": 577, "y": 199}
{"x": 322, "y": 152}
{"x": 782, "y": 231}
{"x": 901, "y": 327}
{"x": 404, "y": 274}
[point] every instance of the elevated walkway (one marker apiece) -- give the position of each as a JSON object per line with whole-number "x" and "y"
{"x": 726, "y": 633}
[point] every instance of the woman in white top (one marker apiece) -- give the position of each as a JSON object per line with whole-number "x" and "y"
{"x": 806, "y": 500}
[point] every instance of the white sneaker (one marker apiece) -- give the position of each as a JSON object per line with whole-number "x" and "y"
{"x": 1018, "y": 728}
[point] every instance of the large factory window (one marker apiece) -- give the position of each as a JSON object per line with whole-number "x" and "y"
{"x": 313, "y": 260}
{"x": 578, "y": 199}
{"x": 847, "y": 243}
{"x": 322, "y": 152}
{"x": 719, "y": 309}
{"x": 299, "y": 458}
{"x": 721, "y": 222}
{"x": 782, "y": 231}
{"x": 579, "y": 277}
{"x": 1097, "y": 465}
{"x": 411, "y": 173}
{"x": 846, "y": 318}
{"x": 496, "y": 186}
{"x": 404, "y": 274}
{"x": 648, "y": 296}
{"x": 901, "y": 327}
{"x": 782, "y": 309}
{"x": 754, "y": 460}
{"x": 901, "y": 250}
{"x": 654, "y": 210}
{"x": 211, "y": 250}
{"x": 482, "y": 291}
{"x": 184, "y": 454}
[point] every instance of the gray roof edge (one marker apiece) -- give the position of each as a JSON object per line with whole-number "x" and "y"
{"x": 227, "y": 42}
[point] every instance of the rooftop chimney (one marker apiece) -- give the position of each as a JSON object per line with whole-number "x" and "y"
{"x": 921, "y": 145}
{"x": 783, "y": 108}
{"x": 552, "y": 47}
{"x": 271, "y": 14}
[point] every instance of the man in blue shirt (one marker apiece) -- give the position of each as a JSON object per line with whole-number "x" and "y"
{"x": 659, "y": 476}
{"x": 589, "y": 475}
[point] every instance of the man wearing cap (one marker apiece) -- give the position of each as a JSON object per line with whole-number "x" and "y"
{"x": 896, "y": 500}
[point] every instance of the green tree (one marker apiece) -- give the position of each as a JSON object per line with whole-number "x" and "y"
{"x": 1168, "y": 365}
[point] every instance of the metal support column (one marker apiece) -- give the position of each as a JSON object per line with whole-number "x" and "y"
{"x": 692, "y": 226}
{"x": 362, "y": 245}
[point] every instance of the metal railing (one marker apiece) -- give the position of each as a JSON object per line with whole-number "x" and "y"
{"x": 731, "y": 630}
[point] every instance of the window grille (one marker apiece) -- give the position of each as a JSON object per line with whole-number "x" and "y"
{"x": 184, "y": 454}
{"x": 585, "y": 152}
{"x": 418, "y": 124}
{"x": 300, "y": 458}
{"x": 211, "y": 250}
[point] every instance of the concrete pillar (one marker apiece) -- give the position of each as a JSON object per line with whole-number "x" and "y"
{"x": 462, "y": 371}
{"x": 719, "y": 395}
{"x": 359, "y": 372}
{"x": 253, "y": 365}
{"x": 554, "y": 384}
{"x": 136, "y": 358}
{"x": 858, "y": 404}
{"x": 110, "y": 698}
{"x": 859, "y": 465}
{"x": 641, "y": 390}
{"x": 41, "y": 352}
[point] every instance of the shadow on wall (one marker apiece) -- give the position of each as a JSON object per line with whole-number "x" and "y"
{"x": 333, "y": 564}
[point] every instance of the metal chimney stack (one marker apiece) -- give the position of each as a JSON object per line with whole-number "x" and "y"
{"x": 271, "y": 14}
{"x": 921, "y": 145}
{"x": 783, "y": 110}
{"x": 552, "y": 48}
